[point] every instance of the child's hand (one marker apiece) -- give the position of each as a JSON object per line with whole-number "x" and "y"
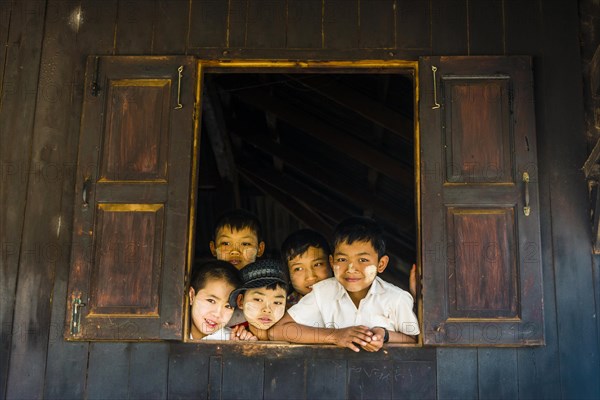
{"x": 412, "y": 282}
{"x": 376, "y": 340}
{"x": 352, "y": 337}
{"x": 239, "y": 332}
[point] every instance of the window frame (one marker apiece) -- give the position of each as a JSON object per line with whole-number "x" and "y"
{"x": 410, "y": 68}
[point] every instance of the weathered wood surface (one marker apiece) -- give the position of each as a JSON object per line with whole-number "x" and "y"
{"x": 42, "y": 365}
{"x": 21, "y": 32}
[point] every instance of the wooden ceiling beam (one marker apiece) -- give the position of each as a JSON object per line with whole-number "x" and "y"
{"x": 343, "y": 188}
{"x": 214, "y": 122}
{"x": 296, "y": 208}
{"x": 368, "y": 108}
{"x": 335, "y": 138}
{"x": 299, "y": 200}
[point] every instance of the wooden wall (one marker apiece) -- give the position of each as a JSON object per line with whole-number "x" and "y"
{"x": 41, "y": 71}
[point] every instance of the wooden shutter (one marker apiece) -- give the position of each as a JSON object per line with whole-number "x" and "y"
{"x": 132, "y": 199}
{"x": 481, "y": 258}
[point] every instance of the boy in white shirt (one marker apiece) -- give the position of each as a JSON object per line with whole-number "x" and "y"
{"x": 355, "y": 308}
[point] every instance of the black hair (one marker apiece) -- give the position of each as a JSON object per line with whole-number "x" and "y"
{"x": 239, "y": 219}
{"x": 298, "y": 242}
{"x": 360, "y": 229}
{"x": 214, "y": 269}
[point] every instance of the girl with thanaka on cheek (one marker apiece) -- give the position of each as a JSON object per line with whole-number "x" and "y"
{"x": 262, "y": 296}
{"x": 210, "y": 286}
{"x": 306, "y": 254}
{"x": 355, "y": 308}
{"x": 237, "y": 238}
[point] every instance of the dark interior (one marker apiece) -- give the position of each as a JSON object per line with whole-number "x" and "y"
{"x": 308, "y": 150}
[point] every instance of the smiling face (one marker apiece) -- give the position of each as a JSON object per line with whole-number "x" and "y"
{"x": 356, "y": 265}
{"x": 263, "y": 307}
{"x": 239, "y": 247}
{"x": 308, "y": 268}
{"x": 210, "y": 307}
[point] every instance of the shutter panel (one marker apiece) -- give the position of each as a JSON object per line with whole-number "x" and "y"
{"x": 481, "y": 258}
{"x": 132, "y": 199}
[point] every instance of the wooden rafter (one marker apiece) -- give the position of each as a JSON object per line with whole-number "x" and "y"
{"x": 298, "y": 199}
{"x": 357, "y": 149}
{"x": 357, "y": 102}
{"x": 333, "y": 182}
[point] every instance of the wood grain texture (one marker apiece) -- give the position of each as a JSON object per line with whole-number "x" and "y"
{"x": 326, "y": 379}
{"x": 457, "y": 374}
{"x": 148, "y": 371}
{"x": 449, "y": 30}
{"x": 66, "y": 365}
{"x": 22, "y": 33}
{"x": 497, "y": 373}
{"x": 304, "y": 24}
{"x": 569, "y": 204}
{"x": 340, "y": 24}
{"x": 266, "y": 24}
{"x": 208, "y": 23}
{"x": 486, "y": 27}
{"x": 43, "y": 241}
{"x": 188, "y": 372}
{"x": 108, "y": 371}
{"x": 413, "y": 27}
{"x": 134, "y": 32}
{"x": 171, "y": 28}
{"x": 285, "y": 379}
{"x": 377, "y": 25}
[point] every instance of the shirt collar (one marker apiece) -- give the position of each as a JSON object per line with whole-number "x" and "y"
{"x": 376, "y": 288}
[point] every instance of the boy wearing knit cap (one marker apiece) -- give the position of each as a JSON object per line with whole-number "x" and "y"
{"x": 262, "y": 295}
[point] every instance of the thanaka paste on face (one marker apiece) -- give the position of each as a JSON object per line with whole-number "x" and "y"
{"x": 370, "y": 272}
{"x": 254, "y": 310}
{"x": 336, "y": 270}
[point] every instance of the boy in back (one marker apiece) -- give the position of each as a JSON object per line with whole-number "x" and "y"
{"x": 355, "y": 308}
{"x": 306, "y": 254}
{"x": 237, "y": 238}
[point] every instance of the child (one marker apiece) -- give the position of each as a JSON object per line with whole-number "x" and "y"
{"x": 355, "y": 308}
{"x": 210, "y": 286}
{"x": 306, "y": 254}
{"x": 237, "y": 238}
{"x": 262, "y": 295}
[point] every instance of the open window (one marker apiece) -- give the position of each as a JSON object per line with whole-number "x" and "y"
{"x": 301, "y": 144}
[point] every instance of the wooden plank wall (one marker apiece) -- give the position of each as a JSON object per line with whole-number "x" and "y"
{"x": 41, "y": 70}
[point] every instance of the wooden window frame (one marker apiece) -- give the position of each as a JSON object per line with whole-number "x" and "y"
{"x": 409, "y": 68}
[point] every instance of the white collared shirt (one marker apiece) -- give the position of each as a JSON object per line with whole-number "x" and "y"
{"x": 330, "y": 305}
